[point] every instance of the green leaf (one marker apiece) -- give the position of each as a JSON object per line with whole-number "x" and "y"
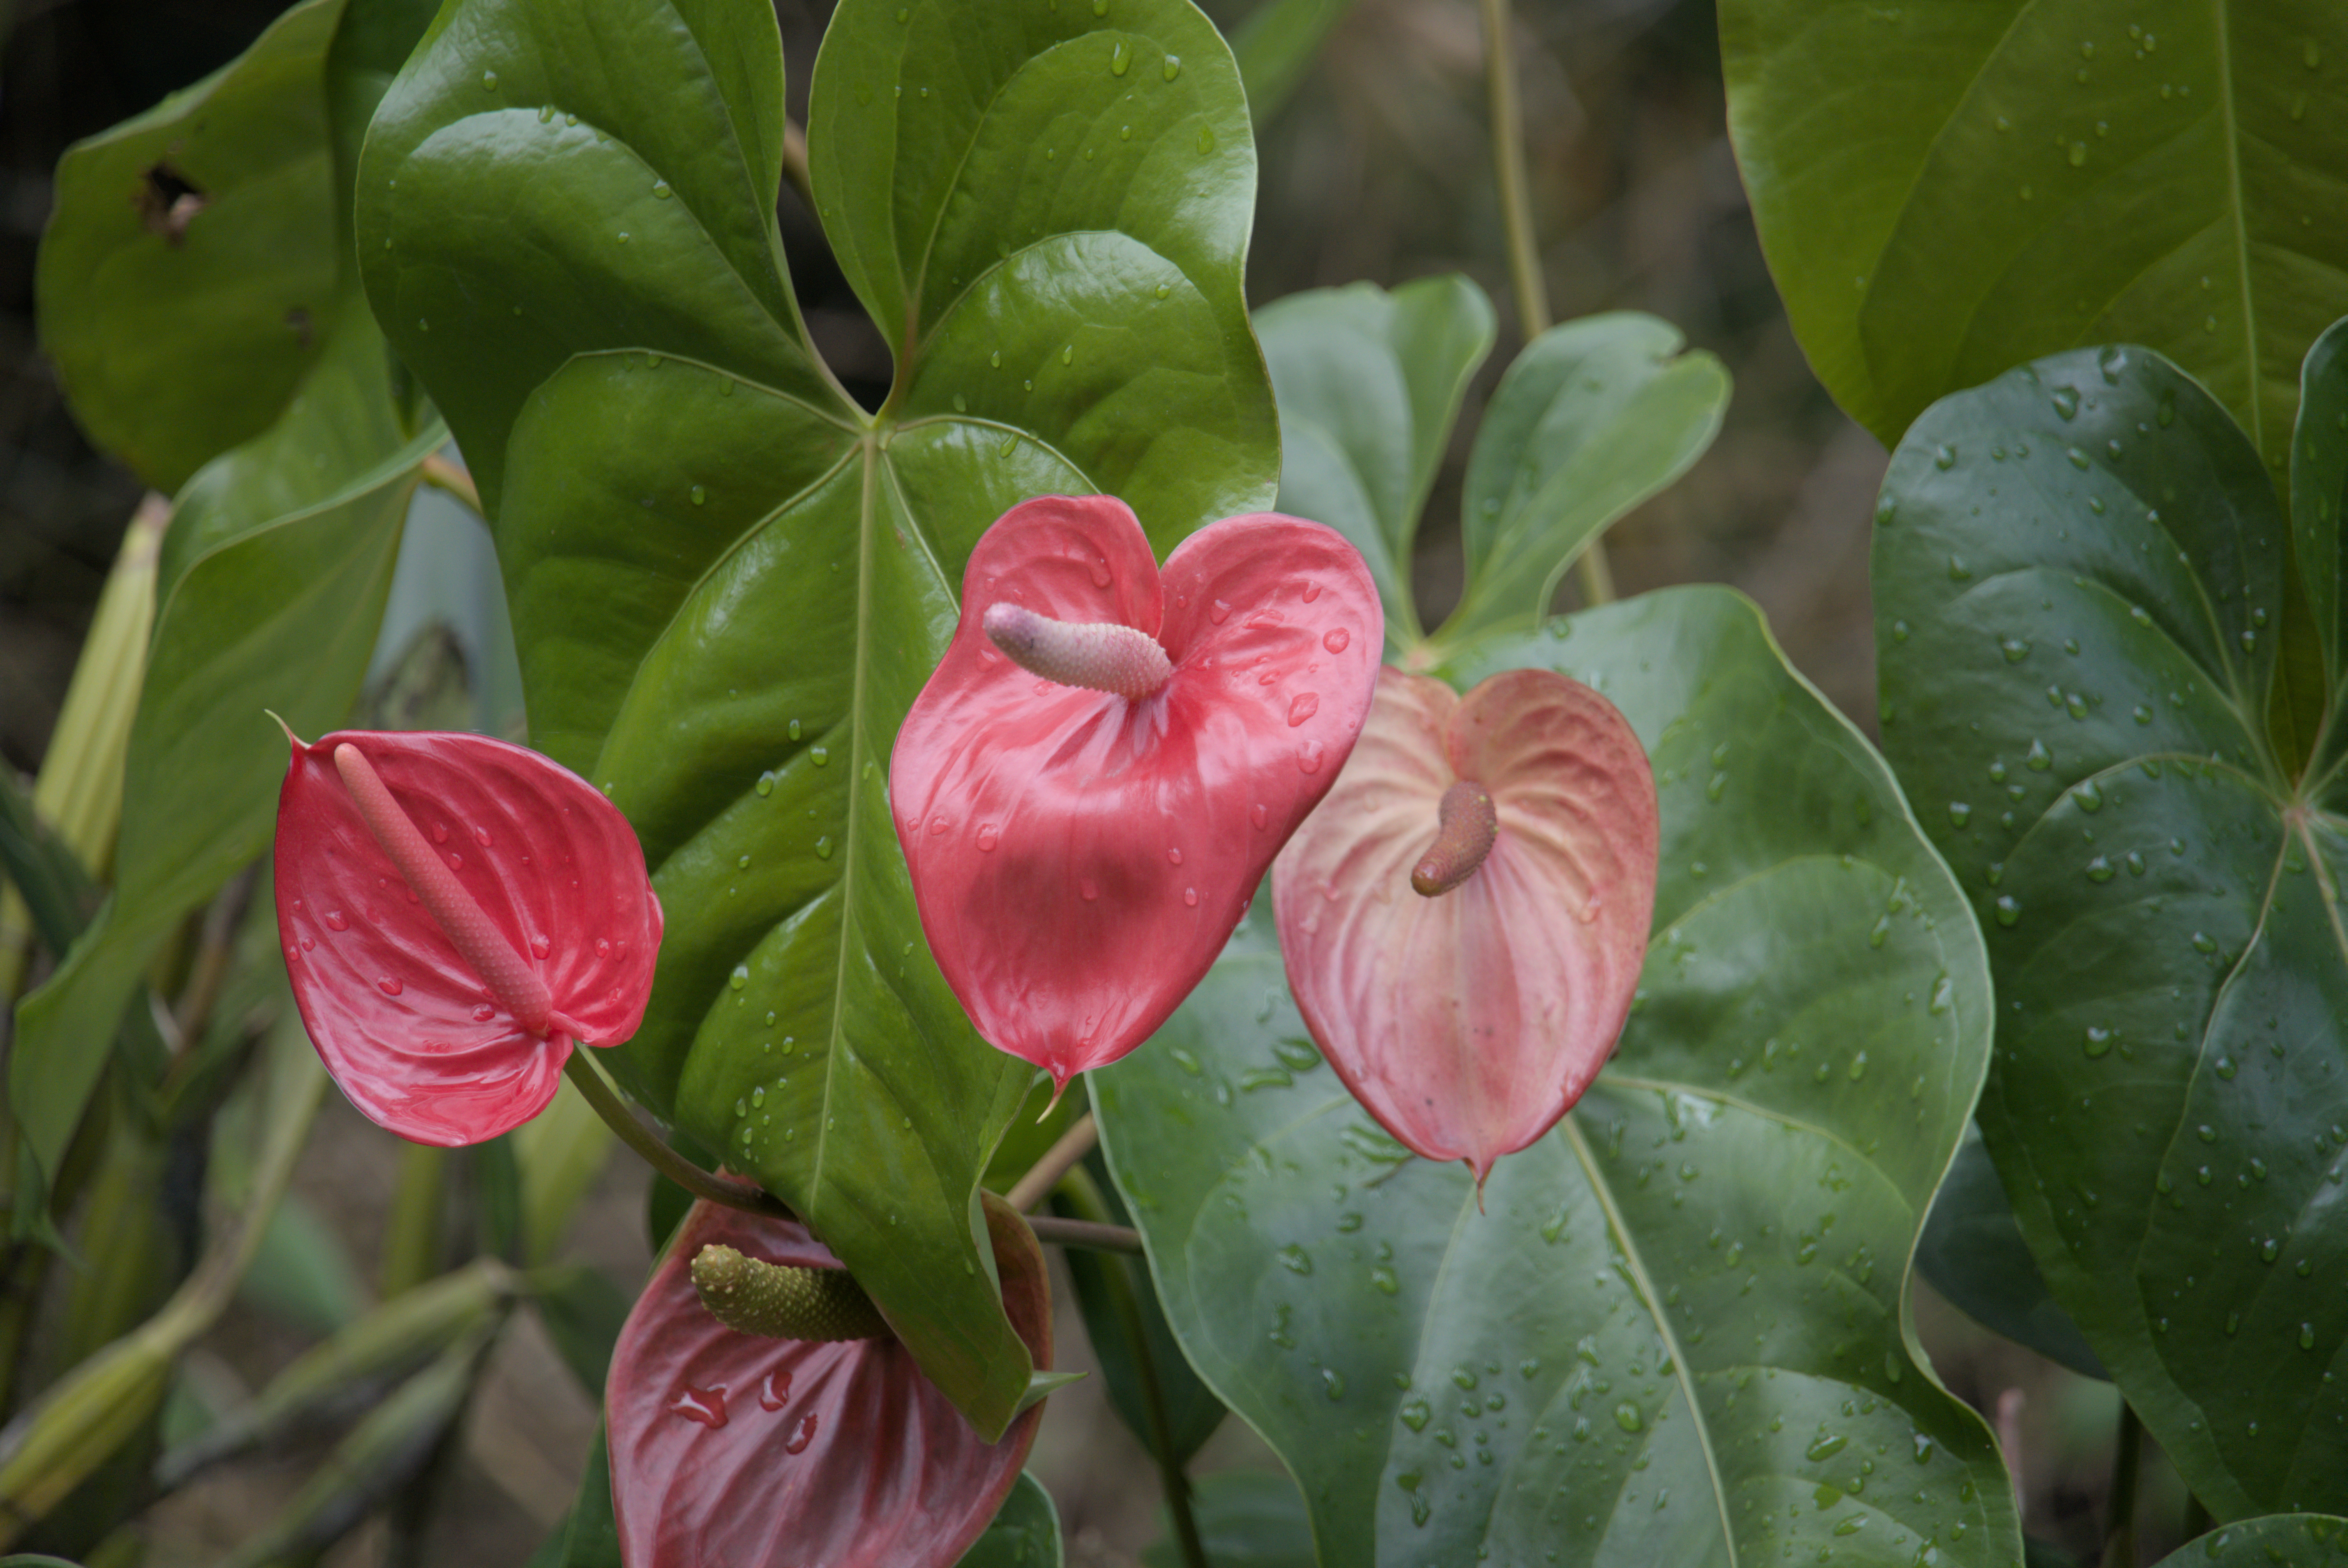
{"x": 1277, "y": 44}
{"x": 1247, "y": 1518}
{"x": 2319, "y": 487}
{"x": 587, "y": 1538}
{"x": 1594, "y": 417}
{"x": 273, "y": 579}
{"x": 44, "y": 872}
{"x": 2078, "y": 578}
{"x": 178, "y": 337}
{"x": 1697, "y": 1284}
{"x": 1026, "y": 1532}
{"x": 2274, "y": 1541}
{"x": 1973, "y": 1253}
{"x": 1368, "y": 385}
{"x": 301, "y": 1272}
{"x": 728, "y": 581}
{"x": 1943, "y": 191}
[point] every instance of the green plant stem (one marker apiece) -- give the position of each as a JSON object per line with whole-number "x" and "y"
{"x": 1524, "y": 278}
{"x": 1077, "y": 1189}
{"x": 443, "y": 475}
{"x": 412, "y": 1238}
{"x": 588, "y": 1077}
{"x": 795, "y": 163}
{"x": 2120, "y": 1511}
{"x": 1067, "y": 1150}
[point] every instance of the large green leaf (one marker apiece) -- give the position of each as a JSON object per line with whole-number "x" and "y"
{"x": 176, "y": 337}
{"x": 1369, "y": 384}
{"x": 2275, "y": 1540}
{"x": 1594, "y": 417}
{"x": 728, "y": 581}
{"x": 1677, "y": 1329}
{"x": 2078, "y": 579}
{"x": 1973, "y": 1253}
{"x": 1944, "y": 191}
{"x": 273, "y": 579}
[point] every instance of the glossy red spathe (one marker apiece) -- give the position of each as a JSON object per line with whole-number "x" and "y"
{"x": 728, "y": 1448}
{"x": 1079, "y": 856}
{"x": 1468, "y": 1022}
{"x": 445, "y": 993}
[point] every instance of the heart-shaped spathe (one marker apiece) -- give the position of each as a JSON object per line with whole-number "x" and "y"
{"x": 1079, "y": 857}
{"x": 413, "y": 1030}
{"x": 1469, "y": 1022}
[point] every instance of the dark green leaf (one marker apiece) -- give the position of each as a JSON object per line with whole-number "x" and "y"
{"x": 1026, "y": 1532}
{"x": 1368, "y": 385}
{"x": 1594, "y": 417}
{"x": 2078, "y": 575}
{"x": 273, "y": 580}
{"x": 1247, "y": 1518}
{"x": 729, "y": 581}
{"x": 44, "y": 871}
{"x": 2274, "y": 1541}
{"x": 1192, "y": 1411}
{"x": 1973, "y": 1254}
{"x": 188, "y": 268}
{"x": 1945, "y": 191}
{"x": 583, "y": 1313}
{"x": 1693, "y": 1289}
{"x": 2319, "y": 487}
{"x": 1276, "y": 45}
{"x": 587, "y": 1538}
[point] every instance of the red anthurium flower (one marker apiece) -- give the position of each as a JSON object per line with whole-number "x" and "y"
{"x": 1093, "y": 782}
{"x": 1465, "y": 917}
{"x": 456, "y": 911}
{"x": 755, "y": 1452}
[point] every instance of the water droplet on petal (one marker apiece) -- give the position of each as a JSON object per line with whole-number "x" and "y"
{"x": 337, "y": 920}
{"x": 389, "y": 985}
{"x": 801, "y": 1436}
{"x": 988, "y": 837}
{"x": 1306, "y": 705}
{"x": 1308, "y": 755}
{"x": 704, "y": 1407}
{"x": 776, "y": 1391}
{"x": 1218, "y": 611}
{"x": 1190, "y": 897}
{"x": 1087, "y": 889}
{"x": 539, "y": 947}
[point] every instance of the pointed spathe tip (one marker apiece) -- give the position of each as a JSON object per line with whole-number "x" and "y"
{"x": 291, "y": 739}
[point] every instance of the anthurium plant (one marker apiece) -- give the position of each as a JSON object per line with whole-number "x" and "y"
{"x": 1513, "y": 1060}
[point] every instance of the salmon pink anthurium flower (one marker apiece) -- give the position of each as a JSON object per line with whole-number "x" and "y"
{"x": 1465, "y": 917}
{"x": 1095, "y": 779}
{"x": 455, "y": 913}
{"x": 754, "y": 1452}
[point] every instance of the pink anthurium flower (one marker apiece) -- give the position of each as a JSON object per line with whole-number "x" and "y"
{"x": 1098, "y": 773}
{"x": 1465, "y": 917}
{"x": 455, "y": 913}
{"x": 754, "y": 1452}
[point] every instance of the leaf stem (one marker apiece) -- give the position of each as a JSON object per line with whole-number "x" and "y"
{"x": 1531, "y": 290}
{"x": 443, "y": 475}
{"x": 1070, "y": 1147}
{"x": 795, "y": 165}
{"x": 1086, "y": 1236}
{"x": 2119, "y": 1508}
{"x": 586, "y": 1075}
{"x": 1077, "y": 1189}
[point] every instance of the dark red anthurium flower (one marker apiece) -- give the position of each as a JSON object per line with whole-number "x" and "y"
{"x": 734, "y": 1449}
{"x": 1465, "y": 917}
{"x": 455, "y": 913}
{"x": 1098, "y": 773}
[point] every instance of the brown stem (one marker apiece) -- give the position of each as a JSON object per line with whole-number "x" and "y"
{"x": 1070, "y": 1147}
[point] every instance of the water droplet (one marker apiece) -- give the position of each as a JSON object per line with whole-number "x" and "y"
{"x": 2204, "y": 943}
{"x": 1627, "y": 1417}
{"x": 2038, "y": 759}
{"x": 2090, "y": 796}
{"x": 337, "y": 920}
{"x": 2014, "y": 649}
{"x": 1826, "y": 1446}
{"x": 1120, "y": 59}
{"x": 546, "y": 114}
{"x": 766, "y": 783}
{"x": 1308, "y": 757}
{"x": 704, "y": 1407}
{"x": 988, "y": 837}
{"x": 1414, "y": 1414}
{"x": 483, "y": 1013}
{"x": 2065, "y": 398}
{"x": 1296, "y": 1259}
{"x": 821, "y": 756}
{"x": 489, "y": 80}
{"x": 1332, "y": 1384}
{"x": 540, "y": 947}
{"x": 2099, "y": 1041}
{"x": 823, "y": 848}
{"x": 801, "y": 1434}
{"x": 776, "y": 1391}
{"x": 1256, "y": 814}
{"x": 1190, "y": 897}
{"x": 2307, "y": 1336}
{"x": 1959, "y": 813}
{"x": 1306, "y": 705}
{"x": 1337, "y": 641}
{"x": 1383, "y": 1279}
{"x": 1218, "y": 611}
{"x": 1206, "y": 140}
{"x": 1957, "y": 571}
{"x": 389, "y": 985}
{"x": 740, "y": 977}
{"x": 1944, "y": 457}
{"x": 2008, "y": 911}
{"x": 1173, "y": 66}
